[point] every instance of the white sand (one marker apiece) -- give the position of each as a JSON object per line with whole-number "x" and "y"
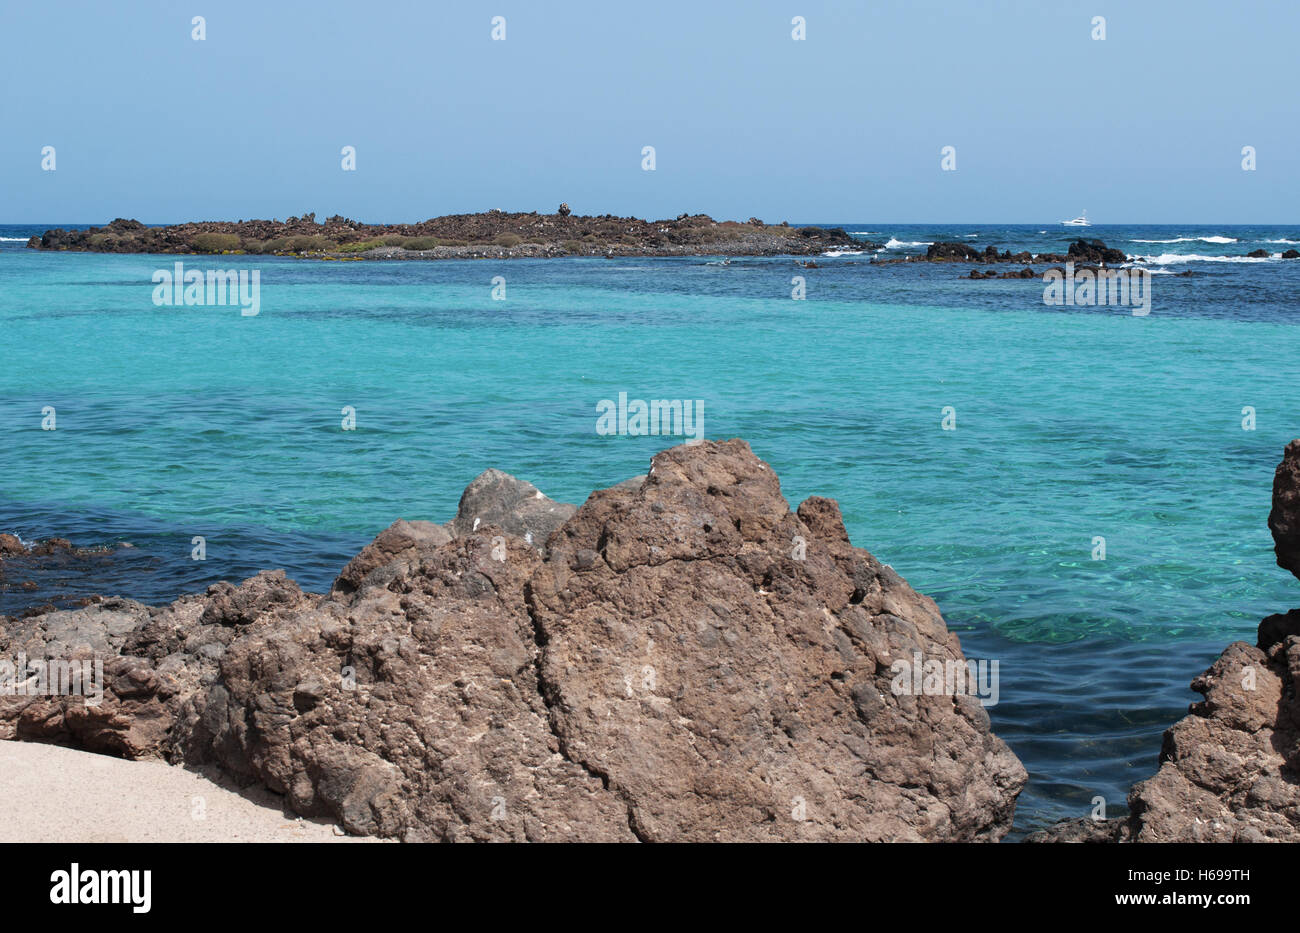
{"x": 54, "y": 794}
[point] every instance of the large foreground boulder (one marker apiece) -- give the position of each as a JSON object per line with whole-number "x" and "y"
{"x": 722, "y": 679}
{"x": 688, "y": 660}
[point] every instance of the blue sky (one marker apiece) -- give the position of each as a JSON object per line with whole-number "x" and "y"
{"x": 846, "y": 126}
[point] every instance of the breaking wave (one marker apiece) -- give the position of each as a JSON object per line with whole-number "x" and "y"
{"x": 1192, "y": 239}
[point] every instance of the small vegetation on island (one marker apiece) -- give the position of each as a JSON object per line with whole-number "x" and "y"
{"x": 216, "y": 243}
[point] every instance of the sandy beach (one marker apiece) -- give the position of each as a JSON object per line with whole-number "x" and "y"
{"x": 56, "y": 794}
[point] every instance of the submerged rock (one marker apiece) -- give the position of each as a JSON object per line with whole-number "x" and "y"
{"x": 1230, "y": 770}
{"x": 1082, "y": 830}
{"x": 65, "y": 575}
{"x": 689, "y": 660}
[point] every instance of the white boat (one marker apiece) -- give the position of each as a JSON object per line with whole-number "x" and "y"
{"x": 1080, "y": 221}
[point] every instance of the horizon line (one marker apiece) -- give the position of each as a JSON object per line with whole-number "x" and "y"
{"x": 801, "y": 223}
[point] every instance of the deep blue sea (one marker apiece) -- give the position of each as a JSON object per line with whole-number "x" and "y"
{"x": 1072, "y": 423}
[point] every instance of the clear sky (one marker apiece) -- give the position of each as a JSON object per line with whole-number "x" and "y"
{"x": 848, "y": 125}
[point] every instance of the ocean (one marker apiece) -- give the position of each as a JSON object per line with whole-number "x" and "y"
{"x": 1156, "y": 433}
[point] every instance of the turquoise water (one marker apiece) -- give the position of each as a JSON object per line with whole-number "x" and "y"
{"x": 1071, "y": 424}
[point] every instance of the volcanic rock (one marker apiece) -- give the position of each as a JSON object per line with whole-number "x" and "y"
{"x": 493, "y": 233}
{"x": 953, "y": 252}
{"x": 1229, "y": 769}
{"x": 1094, "y": 251}
{"x": 391, "y": 553}
{"x": 690, "y": 660}
{"x": 1284, "y": 518}
{"x": 1082, "y": 830}
{"x": 720, "y": 684}
{"x": 518, "y": 507}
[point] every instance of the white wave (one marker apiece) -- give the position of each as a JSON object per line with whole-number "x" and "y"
{"x": 844, "y": 252}
{"x": 864, "y": 233}
{"x": 24, "y": 239}
{"x": 970, "y": 234}
{"x": 1293, "y": 242}
{"x": 1166, "y": 259}
{"x": 1192, "y": 239}
{"x": 897, "y": 244}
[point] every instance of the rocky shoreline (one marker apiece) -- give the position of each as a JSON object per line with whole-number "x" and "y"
{"x": 682, "y": 658}
{"x": 494, "y": 234}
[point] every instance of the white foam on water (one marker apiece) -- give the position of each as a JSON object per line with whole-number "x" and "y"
{"x": 1165, "y": 259}
{"x": 898, "y": 244}
{"x": 1192, "y": 239}
{"x": 844, "y": 252}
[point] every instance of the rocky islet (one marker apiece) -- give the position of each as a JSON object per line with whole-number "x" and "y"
{"x": 490, "y": 234}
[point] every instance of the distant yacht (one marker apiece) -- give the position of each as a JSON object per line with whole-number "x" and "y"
{"x": 1080, "y": 221}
